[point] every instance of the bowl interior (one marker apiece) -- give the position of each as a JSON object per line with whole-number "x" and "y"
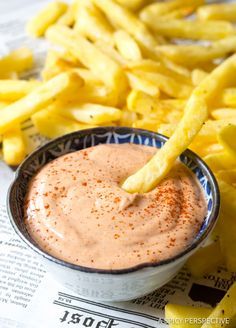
{"x": 87, "y": 138}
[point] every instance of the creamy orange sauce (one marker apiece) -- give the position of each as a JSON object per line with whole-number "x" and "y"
{"x": 76, "y": 210}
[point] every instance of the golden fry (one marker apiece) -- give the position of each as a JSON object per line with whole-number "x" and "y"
{"x": 90, "y": 113}
{"x": 220, "y": 11}
{"x": 205, "y": 260}
{"x": 111, "y": 52}
{"x": 4, "y": 104}
{"x": 11, "y": 90}
{"x": 224, "y": 113}
{"x": 127, "y": 118}
{"x": 18, "y": 61}
{"x": 196, "y": 113}
{"x": 127, "y": 46}
{"x": 192, "y": 55}
{"x": 68, "y": 18}
{"x": 220, "y": 161}
{"x": 180, "y": 13}
{"x": 147, "y": 124}
{"x": 189, "y": 29}
{"x": 177, "y": 315}
{"x": 38, "y": 25}
{"x": 151, "y": 66}
{"x": 126, "y": 20}
{"x": 226, "y": 138}
{"x": 42, "y": 96}
{"x": 140, "y": 102}
{"x": 100, "y": 64}
{"x": 226, "y": 309}
{"x": 198, "y": 75}
{"x": 229, "y": 97}
{"x": 167, "y": 84}
{"x": 132, "y": 4}
{"x": 91, "y": 23}
{"x": 138, "y": 83}
{"x": 52, "y": 125}
{"x": 154, "y": 10}
{"x": 13, "y": 146}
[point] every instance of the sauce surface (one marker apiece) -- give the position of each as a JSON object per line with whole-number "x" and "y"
{"x": 76, "y": 210}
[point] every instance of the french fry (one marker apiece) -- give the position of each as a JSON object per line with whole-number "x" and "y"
{"x": 127, "y": 46}
{"x": 11, "y": 90}
{"x": 68, "y": 18}
{"x": 111, "y": 52}
{"x": 171, "y": 105}
{"x": 140, "y": 102}
{"x": 205, "y": 260}
{"x": 229, "y": 97}
{"x": 226, "y": 309}
{"x": 138, "y": 83}
{"x": 177, "y": 315}
{"x": 9, "y": 76}
{"x": 167, "y": 129}
{"x": 166, "y": 84}
{"x": 226, "y": 138}
{"x": 228, "y": 176}
{"x": 38, "y": 25}
{"x": 88, "y": 76}
{"x": 147, "y": 124}
{"x": 208, "y": 148}
{"x": 132, "y": 4}
{"x": 189, "y": 29}
{"x": 13, "y": 146}
{"x": 158, "y": 9}
{"x": 211, "y": 128}
{"x": 220, "y": 161}
{"x": 151, "y": 66}
{"x": 228, "y": 204}
{"x": 192, "y": 55}
{"x": 56, "y": 63}
{"x": 180, "y": 13}
{"x": 170, "y": 117}
{"x": 59, "y": 66}
{"x": 198, "y": 75}
{"x": 196, "y": 113}
{"x": 52, "y": 125}
{"x": 227, "y": 238}
{"x": 96, "y": 93}
{"x": 91, "y": 23}
{"x": 127, "y": 118}
{"x": 224, "y": 113}
{"x": 221, "y": 11}
{"x": 101, "y": 65}
{"x": 61, "y": 85}
{"x": 18, "y": 61}
{"x": 4, "y": 104}
{"x": 126, "y": 20}
{"x": 90, "y": 113}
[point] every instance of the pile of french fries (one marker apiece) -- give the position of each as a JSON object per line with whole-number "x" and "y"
{"x": 141, "y": 64}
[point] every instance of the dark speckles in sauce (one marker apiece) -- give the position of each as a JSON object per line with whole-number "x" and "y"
{"x": 76, "y": 211}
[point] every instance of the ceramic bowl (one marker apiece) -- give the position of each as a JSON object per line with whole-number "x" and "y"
{"x": 109, "y": 285}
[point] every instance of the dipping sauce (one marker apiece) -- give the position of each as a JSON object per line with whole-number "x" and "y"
{"x": 76, "y": 210}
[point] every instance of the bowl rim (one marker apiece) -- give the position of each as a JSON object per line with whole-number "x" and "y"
{"x": 82, "y": 133}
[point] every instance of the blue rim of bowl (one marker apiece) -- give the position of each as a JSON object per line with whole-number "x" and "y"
{"x": 188, "y": 153}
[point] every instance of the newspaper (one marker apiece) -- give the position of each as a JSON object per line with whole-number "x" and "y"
{"x": 29, "y": 296}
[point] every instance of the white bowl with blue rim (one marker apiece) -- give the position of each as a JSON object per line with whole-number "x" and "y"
{"x": 109, "y": 285}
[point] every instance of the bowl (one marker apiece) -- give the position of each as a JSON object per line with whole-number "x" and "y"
{"x": 98, "y": 284}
